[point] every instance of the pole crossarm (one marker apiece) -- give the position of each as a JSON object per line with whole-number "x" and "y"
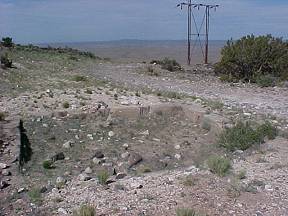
{"x": 206, "y": 19}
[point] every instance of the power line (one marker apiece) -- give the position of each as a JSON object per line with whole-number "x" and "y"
{"x": 198, "y": 34}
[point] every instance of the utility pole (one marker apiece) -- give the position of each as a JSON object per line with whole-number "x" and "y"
{"x": 198, "y": 33}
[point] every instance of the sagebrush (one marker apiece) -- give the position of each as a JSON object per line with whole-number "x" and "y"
{"x": 262, "y": 60}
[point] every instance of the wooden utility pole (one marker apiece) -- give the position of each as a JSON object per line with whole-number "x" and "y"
{"x": 207, "y": 7}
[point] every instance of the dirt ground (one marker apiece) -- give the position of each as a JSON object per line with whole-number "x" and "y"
{"x": 80, "y": 113}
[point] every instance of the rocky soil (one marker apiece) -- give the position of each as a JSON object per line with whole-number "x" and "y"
{"x": 112, "y": 149}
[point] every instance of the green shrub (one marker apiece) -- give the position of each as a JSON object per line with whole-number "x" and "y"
{"x": 35, "y": 195}
{"x": 85, "y": 210}
{"x": 2, "y": 116}
{"x": 7, "y": 42}
{"x": 251, "y": 58}
{"x": 241, "y": 174}
{"x": 79, "y": 78}
{"x": 47, "y": 164}
{"x": 66, "y": 105}
{"x": 266, "y": 81}
{"x": 242, "y": 136}
{"x": 168, "y": 64}
{"x": 187, "y": 212}
{"x": 88, "y": 91}
{"x": 103, "y": 177}
{"x": 267, "y": 130}
{"x": 219, "y": 165}
{"x": 5, "y": 61}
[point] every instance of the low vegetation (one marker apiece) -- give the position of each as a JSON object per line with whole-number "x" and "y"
{"x": 47, "y": 164}
{"x": 79, "y": 78}
{"x": 5, "y": 61}
{"x": 262, "y": 60}
{"x": 168, "y": 64}
{"x": 242, "y": 136}
{"x": 66, "y": 105}
{"x": 35, "y": 195}
{"x": 7, "y": 42}
{"x": 2, "y": 116}
{"x": 103, "y": 177}
{"x": 187, "y": 212}
{"x": 85, "y": 210}
{"x": 219, "y": 165}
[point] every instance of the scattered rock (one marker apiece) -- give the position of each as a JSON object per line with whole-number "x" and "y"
{"x": 68, "y": 144}
{"x": 3, "y": 184}
{"x": 134, "y": 159}
{"x": 99, "y": 154}
{"x": 58, "y": 156}
{"x": 125, "y": 146}
{"x": 3, "y": 166}
{"x": 60, "y": 180}
{"x": 177, "y": 156}
{"x": 84, "y": 177}
{"x": 21, "y": 190}
{"x": 111, "y": 133}
{"x": 177, "y": 147}
{"x": 5, "y": 172}
{"x": 96, "y": 161}
{"x": 121, "y": 175}
{"x": 125, "y": 155}
{"x": 88, "y": 170}
{"x": 62, "y": 211}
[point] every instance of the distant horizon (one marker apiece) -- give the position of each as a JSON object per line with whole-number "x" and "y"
{"x": 62, "y": 21}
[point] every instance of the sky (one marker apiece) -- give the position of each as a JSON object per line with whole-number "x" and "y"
{"x": 48, "y": 21}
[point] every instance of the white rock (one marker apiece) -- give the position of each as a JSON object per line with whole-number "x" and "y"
{"x": 21, "y": 190}
{"x": 88, "y": 170}
{"x": 3, "y": 166}
{"x": 96, "y": 160}
{"x": 146, "y": 133}
{"x": 84, "y": 177}
{"x": 60, "y": 180}
{"x": 68, "y": 144}
{"x": 125, "y": 155}
{"x": 111, "y": 134}
{"x": 125, "y": 102}
{"x": 125, "y": 146}
{"x": 62, "y": 211}
{"x": 177, "y": 156}
{"x": 268, "y": 188}
{"x": 247, "y": 114}
{"x": 177, "y": 147}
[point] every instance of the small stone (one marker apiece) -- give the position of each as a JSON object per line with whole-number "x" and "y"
{"x": 111, "y": 133}
{"x": 68, "y": 144}
{"x": 268, "y": 188}
{"x": 247, "y": 114}
{"x": 121, "y": 175}
{"x": 67, "y": 173}
{"x": 146, "y": 133}
{"x": 43, "y": 189}
{"x": 134, "y": 159}
{"x": 99, "y": 154}
{"x": 60, "y": 180}
{"x": 21, "y": 190}
{"x": 88, "y": 170}
{"x": 3, "y": 166}
{"x": 62, "y": 211}
{"x": 125, "y": 155}
{"x": 125, "y": 146}
{"x": 177, "y": 147}
{"x": 177, "y": 156}
{"x": 45, "y": 125}
{"x": 96, "y": 161}
{"x": 90, "y": 136}
{"x": 5, "y": 172}
{"x": 3, "y": 184}
{"x": 58, "y": 156}
{"x": 84, "y": 177}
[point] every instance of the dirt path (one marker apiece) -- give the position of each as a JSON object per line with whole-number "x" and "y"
{"x": 273, "y": 101}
